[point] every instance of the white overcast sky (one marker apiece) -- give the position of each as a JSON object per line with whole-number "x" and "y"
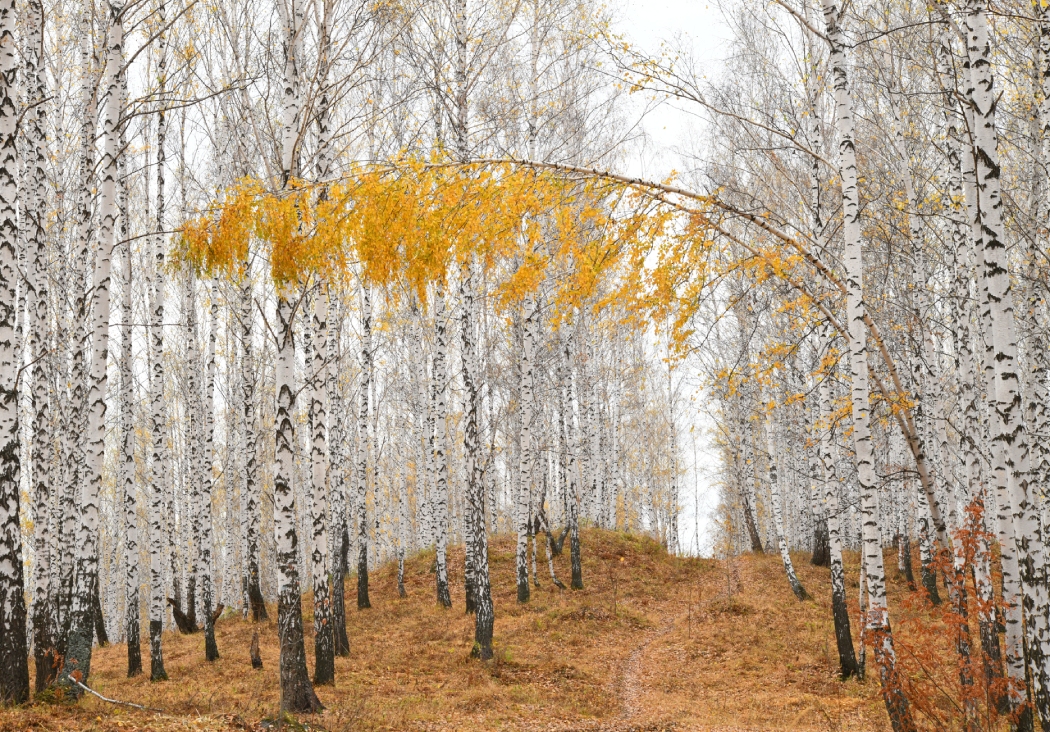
{"x": 647, "y": 23}
{"x": 696, "y": 24}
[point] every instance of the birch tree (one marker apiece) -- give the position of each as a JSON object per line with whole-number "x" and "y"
{"x": 35, "y": 187}
{"x": 211, "y": 650}
{"x": 297, "y": 694}
{"x": 78, "y": 653}
{"x": 126, "y": 478}
{"x": 158, "y": 422}
{"x": 14, "y": 664}
{"x": 324, "y": 640}
{"x": 877, "y": 617}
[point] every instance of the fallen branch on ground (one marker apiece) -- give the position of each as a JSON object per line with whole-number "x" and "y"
{"x": 115, "y": 701}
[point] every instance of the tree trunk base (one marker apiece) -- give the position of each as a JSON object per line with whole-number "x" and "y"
{"x": 157, "y": 672}
{"x": 183, "y": 622}
{"x": 254, "y": 651}
{"x": 297, "y": 693}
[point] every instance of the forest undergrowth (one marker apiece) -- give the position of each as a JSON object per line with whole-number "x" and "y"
{"x": 653, "y": 642}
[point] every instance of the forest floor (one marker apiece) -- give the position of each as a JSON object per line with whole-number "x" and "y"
{"x": 653, "y": 642}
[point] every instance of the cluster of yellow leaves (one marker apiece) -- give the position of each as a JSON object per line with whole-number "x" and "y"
{"x": 403, "y": 227}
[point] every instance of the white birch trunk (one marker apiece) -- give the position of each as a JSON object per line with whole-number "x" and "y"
{"x": 83, "y": 261}
{"x": 337, "y": 479}
{"x": 439, "y": 441}
{"x": 1008, "y": 424}
{"x": 778, "y": 517}
{"x": 44, "y": 652}
{"x": 194, "y": 473}
{"x": 127, "y": 476}
{"x": 673, "y": 508}
{"x": 206, "y": 570}
{"x": 297, "y": 694}
{"x": 78, "y": 650}
{"x": 528, "y": 346}
{"x": 877, "y": 616}
{"x": 750, "y": 474}
{"x": 14, "y": 664}
{"x": 362, "y": 460}
{"x": 963, "y": 193}
{"x": 160, "y": 470}
{"x": 324, "y": 639}
{"x": 844, "y": 642}
{"x": 252, "y": 487}
{"x": 477, "y": 534}
{"x": 571, "y": 478}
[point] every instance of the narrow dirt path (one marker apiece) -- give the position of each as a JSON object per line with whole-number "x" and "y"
{"x": 631, "y": 688}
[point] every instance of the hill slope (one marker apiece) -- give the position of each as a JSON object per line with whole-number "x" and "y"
{"x": 652, "y": 642}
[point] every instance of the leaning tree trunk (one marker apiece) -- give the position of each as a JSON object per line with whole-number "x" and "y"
{"x": 926, "y": 386}
{"x": 878, "y": 625}
{"x": 742, "y": 399}
{"x": 14, "y": 662}
{"x": 778, "y": 518}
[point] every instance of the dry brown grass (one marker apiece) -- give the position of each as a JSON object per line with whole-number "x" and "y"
{"x": 747, "y": 654}
{"x": 653, "y": 642}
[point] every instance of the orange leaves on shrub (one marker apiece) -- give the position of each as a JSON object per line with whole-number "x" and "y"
{"x": 965, "y": 692}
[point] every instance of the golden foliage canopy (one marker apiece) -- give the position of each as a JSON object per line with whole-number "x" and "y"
{"x": 403, "y": 227}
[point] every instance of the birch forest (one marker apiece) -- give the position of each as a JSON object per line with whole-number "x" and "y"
{"x": 347, "y": 326}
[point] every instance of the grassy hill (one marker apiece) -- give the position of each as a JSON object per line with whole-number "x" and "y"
{"x": 653, "y": 642}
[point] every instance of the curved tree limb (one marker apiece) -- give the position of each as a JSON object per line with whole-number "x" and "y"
{"x": 903, "y": 415}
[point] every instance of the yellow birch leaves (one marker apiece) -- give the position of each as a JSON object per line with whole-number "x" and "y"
{"x": 405, "y": 226}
